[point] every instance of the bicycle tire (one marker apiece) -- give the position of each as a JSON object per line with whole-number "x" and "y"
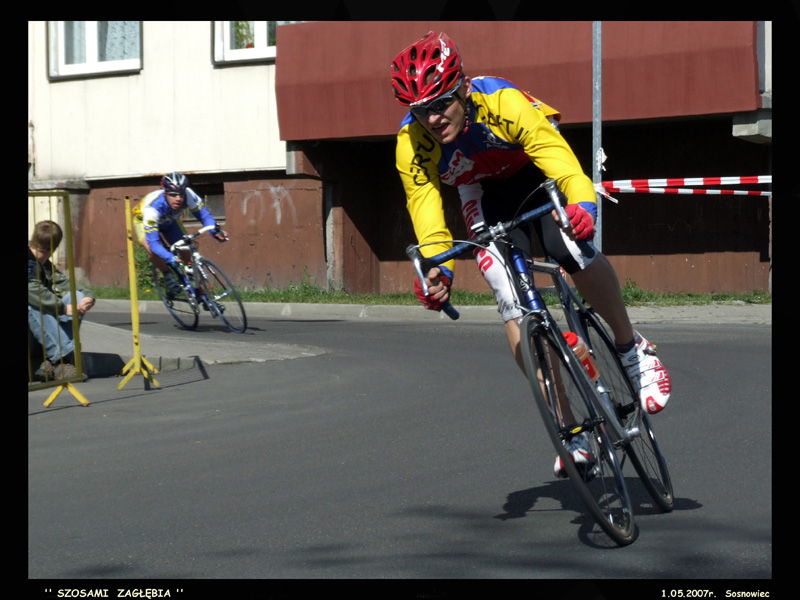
{"x": 601, "y": 488}
{"x": 224, "y": 301}
{"x": 644, "y": 451}
{"x": 183, "y": 307}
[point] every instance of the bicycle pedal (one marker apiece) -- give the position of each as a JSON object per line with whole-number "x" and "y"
{"x": 632, "y": 433}
{"x": 589, "y": 474}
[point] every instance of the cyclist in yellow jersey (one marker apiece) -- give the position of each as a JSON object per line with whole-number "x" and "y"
{"x": 496, "y": 144}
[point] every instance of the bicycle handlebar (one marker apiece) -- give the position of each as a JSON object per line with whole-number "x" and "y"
{"x": 423, "y": 265}
{"x": 184, "y": 242}
{"x": 416, "y": 257}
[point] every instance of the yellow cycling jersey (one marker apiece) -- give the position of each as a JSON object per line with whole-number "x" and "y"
{"x": 506, "y": 129}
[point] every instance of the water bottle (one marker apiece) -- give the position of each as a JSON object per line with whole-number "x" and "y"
{"x": 582, "y": 352}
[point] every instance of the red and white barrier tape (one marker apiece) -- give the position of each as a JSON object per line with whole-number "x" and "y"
{"x": 664, "y": 190}
{"x": 686, "y": 182}
{"x": 673, "y": 186}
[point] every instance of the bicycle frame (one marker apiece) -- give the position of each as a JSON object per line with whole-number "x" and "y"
{"x": 572, "y": 306}
{"x": 185, "y": 244}
{"x": 520, "y": 270}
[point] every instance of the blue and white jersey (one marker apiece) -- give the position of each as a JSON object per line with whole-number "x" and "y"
{"x": 157, "y": 215}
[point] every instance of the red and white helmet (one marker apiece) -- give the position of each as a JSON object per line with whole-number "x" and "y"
{"x": 427, "y": 68}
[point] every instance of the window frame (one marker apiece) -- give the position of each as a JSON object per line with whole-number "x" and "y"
{"x": 222, "y": 55}
{"x": 58, "y": 69}
{"x": 207, "y": 190}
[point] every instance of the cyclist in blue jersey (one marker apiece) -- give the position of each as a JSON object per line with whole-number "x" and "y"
{"x": 157, "y": 216}
{"x": 496, "y": 144}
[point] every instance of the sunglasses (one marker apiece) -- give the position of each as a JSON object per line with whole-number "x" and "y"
{"x": 438, "y": 106}
{"x": 173, "y": 194}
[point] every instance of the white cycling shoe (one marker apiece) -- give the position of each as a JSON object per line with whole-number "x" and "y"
{"x": 648, "y": 375}
{"x": 578, "y": 447}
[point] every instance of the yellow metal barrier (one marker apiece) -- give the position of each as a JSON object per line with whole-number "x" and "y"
{"x": 40, "y": 211}
{"x": 138, "y": 364}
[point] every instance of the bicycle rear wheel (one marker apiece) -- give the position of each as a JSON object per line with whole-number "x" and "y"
{"x": 564, "y": 397}
{"x": 223, "y": 299}
{"x": 182, "y": 307}
{"x": 643, "y": 451}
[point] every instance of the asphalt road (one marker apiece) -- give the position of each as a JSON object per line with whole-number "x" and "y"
{"x": 403, "y": 451}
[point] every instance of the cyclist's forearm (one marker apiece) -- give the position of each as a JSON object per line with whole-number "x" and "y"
{"x": 157, "y": 248}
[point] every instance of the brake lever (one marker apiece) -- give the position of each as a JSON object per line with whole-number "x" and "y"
{"x": 218, "y": 229}
{"x": 552, "y": 189}
{"x": 416, "y": 259}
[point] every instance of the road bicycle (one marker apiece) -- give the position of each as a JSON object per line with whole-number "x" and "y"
{"x": 605, "y": 411}
{"x": 204, "y": 286}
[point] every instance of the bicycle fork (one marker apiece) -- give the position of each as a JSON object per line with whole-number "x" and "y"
{"x": 211, "y": 304}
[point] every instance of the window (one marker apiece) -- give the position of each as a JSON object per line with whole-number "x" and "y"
{"x": 214, "y": 198}
{"x": 236, "y": 41}
{"x": 81, "y": 48}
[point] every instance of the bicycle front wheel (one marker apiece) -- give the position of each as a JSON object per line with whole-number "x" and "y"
{"x": 644, "y": 452}
{"x": 563, "y": 393}
{"x": 223, "y": 299}
{"x": 182, "y": 306}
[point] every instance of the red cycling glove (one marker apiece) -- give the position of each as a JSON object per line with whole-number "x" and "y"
{"x": 427, "y": 301}
{"x": 581, "y": 220}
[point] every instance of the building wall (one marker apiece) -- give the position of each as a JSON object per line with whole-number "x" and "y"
{"x": 653, "y": 69}
{"x": 180, "y": 113}
{"x": 660, "y": 242}
{"x": 107, "y": 137}
{"x": 274, "y": 225}
{"x": 348, "y": 228}
{"x": 334, "y": 213}
{"x": 671, "y": 91}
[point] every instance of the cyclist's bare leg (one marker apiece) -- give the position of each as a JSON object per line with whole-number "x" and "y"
{"x": 512, "y": 331}
{"x": 599, "y": 285}
{"x": 159, "y": 262}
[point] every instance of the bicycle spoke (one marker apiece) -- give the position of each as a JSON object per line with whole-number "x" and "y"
{"x": 224, "y": 300}
{"x": 644, "y": 452}
{"x": 180, "y": 307}
{"x": 560, "y": 388}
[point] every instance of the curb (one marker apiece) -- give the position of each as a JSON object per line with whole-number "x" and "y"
{"x": 733, "y": 313}
{"x": 110, "y": 363}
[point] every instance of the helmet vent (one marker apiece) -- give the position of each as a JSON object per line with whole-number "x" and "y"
{"x": 425, "y": 69}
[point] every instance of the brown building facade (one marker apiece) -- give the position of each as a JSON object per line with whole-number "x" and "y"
{"x": 671, "y": 93}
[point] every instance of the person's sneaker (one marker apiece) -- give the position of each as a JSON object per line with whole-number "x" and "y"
{"x": 65, "y": 371}
{"x": 578, "y": 447}
{"x": 648, "y": 375}
{"x": 45, "y": 372}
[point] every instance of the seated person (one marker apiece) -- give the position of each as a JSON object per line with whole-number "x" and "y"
{"x": 50, "y": 304}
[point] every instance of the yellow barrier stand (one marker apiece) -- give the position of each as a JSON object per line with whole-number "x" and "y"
{"x": 138, "y": 364}
{"x": 64, "y": 383}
